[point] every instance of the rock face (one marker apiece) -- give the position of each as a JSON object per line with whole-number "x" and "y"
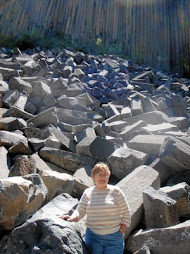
{"x": 65, "y": 111}
{"x": 114, "y": 20}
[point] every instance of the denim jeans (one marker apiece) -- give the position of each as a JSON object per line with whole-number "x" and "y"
{"x": 104, "y": 244}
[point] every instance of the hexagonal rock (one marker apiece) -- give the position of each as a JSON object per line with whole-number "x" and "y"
{"x": 67, "y": 160}
{"x": 174, "y": 239}
{"x": 175, "y": 154}
{"x": 124, "y": 160}
{"x": 160, "y": 209}
{"x": 98, "y": 147}
{"x": 133, "y": 186}
{"x": 20, "y": 197}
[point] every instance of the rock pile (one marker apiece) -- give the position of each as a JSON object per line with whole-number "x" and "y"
{"x": 61, "y": 112}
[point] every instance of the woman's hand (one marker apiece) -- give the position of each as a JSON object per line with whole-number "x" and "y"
{"x": 69, "y": 218}
{"x": 122, "y": 229}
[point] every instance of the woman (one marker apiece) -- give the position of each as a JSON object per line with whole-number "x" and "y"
{"x": 108, "y": 214}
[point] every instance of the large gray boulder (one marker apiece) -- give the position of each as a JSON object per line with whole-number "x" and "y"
{"x": 48, "y": 233}
{"x": 160, "y": 209}
{"x": 23, "y": 165}
{"x": 174, "y": 239}
{"x": 19, "y": 84}
{"x": 12, "y": 123}
{"x": 66, "y": 160}
{"x": 150, "y": 144}
{"x": 179, "y": 192}
{"x": 133, "y": 186}
{"x": 45, "y": 118}
{"x": 9, "y": 139}
{"x": 124, "y": 160}
{"x": 20, "y": 198}
{"x": 175, "y": 154}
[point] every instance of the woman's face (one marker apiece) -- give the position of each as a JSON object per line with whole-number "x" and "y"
{"x": 101, "y": 179}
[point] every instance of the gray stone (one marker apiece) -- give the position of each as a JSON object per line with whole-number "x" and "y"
{"x": 45, "y": 118}
{"x": 133, "y": 186}
{"x": 21, "y": 147}
{"x": 20, "y": 198}
{"x": 150, "y": 144}
{"x": 110, "y": 110}
{"x": 67, "y": 71}
{"x": 4, "y": 87}
{"x": 74, "y": 117}
{"x": 143, "y": 250}
{"x": 118, "y": 126}
{"x": 160, "y": 209}
{"x": 10, "y": 97}
{"x": 56, "y": 183}
{"x": 136, "y": 107}
{"x": 174, "y": 239}
{"x": 8, "y": 139}
{"x": 163, "y": 127}
{"x": 129, "y": 129}
{"x": 125, "y": 112}
{"x": 66, "y": 143}
{"x": 4, "y": 167}
{"x": 48, "y": 233}
{"x": 17, "y": 83}
{"x": 123, "y": 161}
{"x": 71, "y": 102}
{"x": 23, "y": 165}
{"x": 53, "y": 142}
{"x": 8, "y": 73}
{"x": 41, "y": 89}
{"x": 22, "y": 100}
{"x": 100, "y": 148}
{"x": 88, "y": 132}
{"x": 165, "y": 172}
{"x": 175, "y": 154}
{"x": 49, "y": 100}
{"x": 12, "y": 123}
{"x": 18, "y": 112}
{"x": 179, "y": 192}
{"x": 36, "y": 143}
{"x": 67, "y": 160}
{"x": 147, "y": 105}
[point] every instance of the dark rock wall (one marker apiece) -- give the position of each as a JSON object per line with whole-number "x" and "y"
{"x": 153, "y": 32}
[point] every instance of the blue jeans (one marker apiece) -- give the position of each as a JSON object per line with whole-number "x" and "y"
{"x": 104, "y": 244}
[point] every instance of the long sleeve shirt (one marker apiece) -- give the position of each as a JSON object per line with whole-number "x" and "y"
{"x": 106, "y": 209}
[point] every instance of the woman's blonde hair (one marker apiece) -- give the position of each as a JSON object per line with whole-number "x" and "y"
{"x": 100, "y": 167}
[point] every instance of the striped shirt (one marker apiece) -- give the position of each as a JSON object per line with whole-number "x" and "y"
{"x": 106, "y": 209}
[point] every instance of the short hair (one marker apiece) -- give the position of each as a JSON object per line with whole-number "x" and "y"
{"x": 100, "y": 167}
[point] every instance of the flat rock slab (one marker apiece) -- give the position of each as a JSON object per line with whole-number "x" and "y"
{"x": 67, "y": 160}
{"x": 150, "y": 144}
{"x": 175, "y": 240}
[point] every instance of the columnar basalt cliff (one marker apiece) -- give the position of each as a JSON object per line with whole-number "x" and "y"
{"x": 152, "y": 32}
